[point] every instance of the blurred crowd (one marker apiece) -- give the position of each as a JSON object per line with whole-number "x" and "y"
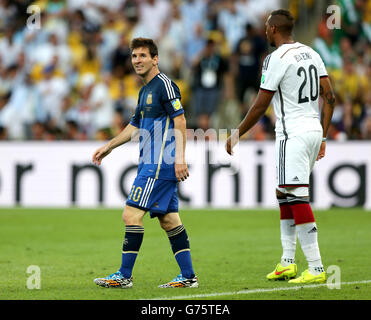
{"x": 66, "y": 74}
{"x": 346, "y": 52}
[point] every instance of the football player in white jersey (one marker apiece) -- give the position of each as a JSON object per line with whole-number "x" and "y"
{"x": 293, "y": 78}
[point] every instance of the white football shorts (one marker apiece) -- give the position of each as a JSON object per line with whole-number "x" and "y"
{"x": 295, "y": 159}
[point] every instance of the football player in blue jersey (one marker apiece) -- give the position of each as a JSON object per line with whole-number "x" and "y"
{"x": 159, "y": 120}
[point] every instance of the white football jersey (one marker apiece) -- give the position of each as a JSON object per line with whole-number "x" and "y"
{"x": 293, "y": 72}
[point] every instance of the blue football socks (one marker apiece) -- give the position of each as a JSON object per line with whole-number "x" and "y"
{"x": 132, "y": 242}
{"x": 180, "y": 245}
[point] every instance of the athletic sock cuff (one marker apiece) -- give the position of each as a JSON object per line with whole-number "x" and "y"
{"x": 285, "y": 210}
{"x": 302, "y": 213}
{"x": 133, "y": 239}
{"x": 177, "y": 230}
{"x": 178, "y": 239}
{"x": 134, "y": 229}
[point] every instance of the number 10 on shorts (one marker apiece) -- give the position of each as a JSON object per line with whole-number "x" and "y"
{"x": 135, "y": 193}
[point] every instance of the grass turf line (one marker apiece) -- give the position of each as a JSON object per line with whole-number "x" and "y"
{"x": 232, "y": 252}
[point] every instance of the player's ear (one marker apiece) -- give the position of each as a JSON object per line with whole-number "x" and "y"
{"x": 155, "y": 60}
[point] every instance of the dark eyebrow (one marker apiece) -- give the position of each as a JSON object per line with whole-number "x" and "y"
{"x": 140, "y": 53}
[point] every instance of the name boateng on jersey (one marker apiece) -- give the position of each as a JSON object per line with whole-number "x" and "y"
{"x": 293, "y": 71}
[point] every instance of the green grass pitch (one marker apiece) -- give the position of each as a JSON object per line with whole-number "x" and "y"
{"x": 232, "y": 251}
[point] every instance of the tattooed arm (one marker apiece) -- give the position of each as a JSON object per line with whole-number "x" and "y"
{"x": 328, "y": 97}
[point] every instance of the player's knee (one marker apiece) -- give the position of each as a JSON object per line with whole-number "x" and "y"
{"x": 131, "y": 216}
{"x": 127, "y": 217}
{"x": 169, "y": 221}
{"x": 165, "y": 225}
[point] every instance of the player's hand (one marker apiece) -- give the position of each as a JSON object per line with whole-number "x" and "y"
{"x": 100, "y": 153}
{"x": 322, "y": 151}
{"x": 181, "y": 171}
{"x": 229, "y": 144}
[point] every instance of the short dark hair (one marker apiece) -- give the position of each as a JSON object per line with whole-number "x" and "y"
{"x": 283, "y": 20}
{"x": 146, "y": 43}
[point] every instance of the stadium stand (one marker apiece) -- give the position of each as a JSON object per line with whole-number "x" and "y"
{"x": 70, "y": 77}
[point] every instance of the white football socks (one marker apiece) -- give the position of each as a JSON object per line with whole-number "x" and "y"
{"x": 288, "y": 240}
{"x": 307, "y": 235}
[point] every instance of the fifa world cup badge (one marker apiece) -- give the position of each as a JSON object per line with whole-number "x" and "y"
{"x": 149, "y": 98}
{"x": 176, "y": 104}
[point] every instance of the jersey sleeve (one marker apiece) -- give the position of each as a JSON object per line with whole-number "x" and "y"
{"x": 273, "y": 71}
{"x": 134, "y": 121}
{"x": 321, "y": 67}
{"x": 170, "y": 98}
